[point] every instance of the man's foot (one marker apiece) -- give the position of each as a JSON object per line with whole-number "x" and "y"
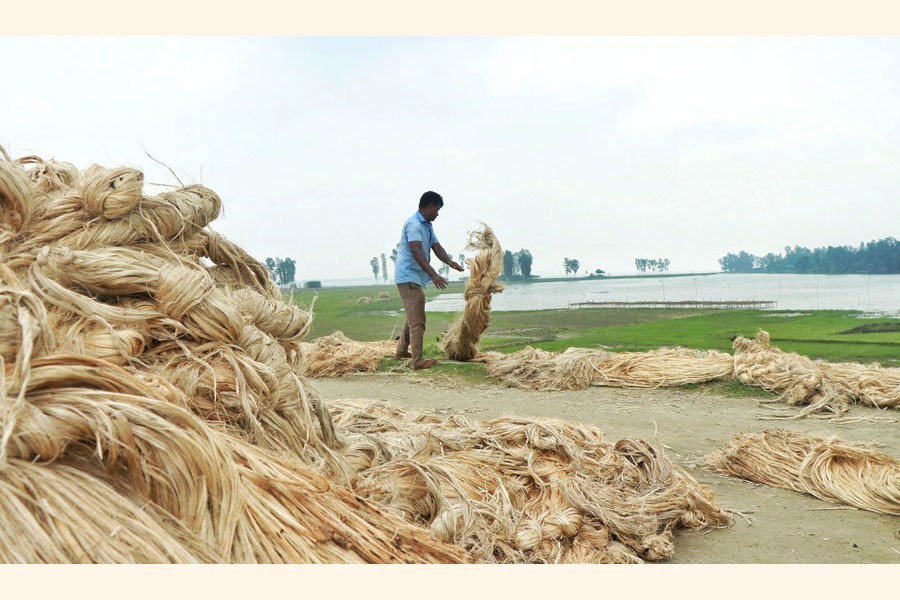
{"x": 426, "y": 364}
{"x": 402, "y": 355}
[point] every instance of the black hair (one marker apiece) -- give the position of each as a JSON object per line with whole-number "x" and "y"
{"x": 429, "y": 198}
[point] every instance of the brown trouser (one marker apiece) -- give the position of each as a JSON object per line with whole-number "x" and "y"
{"x": 413, "y": 297}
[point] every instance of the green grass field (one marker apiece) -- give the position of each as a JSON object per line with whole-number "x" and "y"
{"x": 830, "y": 335}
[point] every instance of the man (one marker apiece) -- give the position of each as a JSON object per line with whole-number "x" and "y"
{"x": 412, "y": 273}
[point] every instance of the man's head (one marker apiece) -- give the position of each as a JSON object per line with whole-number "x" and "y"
{"x": 430, "y": 204}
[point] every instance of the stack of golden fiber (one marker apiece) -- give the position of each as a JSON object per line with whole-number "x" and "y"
{"x": 153, "y": 409}
{"x": 827, "y": 468}
{"x": 818, "y": 385}
{"x": 579, "y": 368}
{"x": 460, "y": 341}
{"x": 336, "y": 355}
{"x": 523, "y": 490}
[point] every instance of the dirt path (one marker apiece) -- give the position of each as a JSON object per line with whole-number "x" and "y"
{"x": 787, "y": 527}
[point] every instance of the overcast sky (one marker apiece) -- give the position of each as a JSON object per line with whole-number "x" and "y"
{"x": 603, "y": 149}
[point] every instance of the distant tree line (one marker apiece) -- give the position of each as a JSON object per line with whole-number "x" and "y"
{"x": 517, "y": 265}
{"x": 282, "y": 271}
{"x": 877, "y": 257}
{"x": 660, "y": 265}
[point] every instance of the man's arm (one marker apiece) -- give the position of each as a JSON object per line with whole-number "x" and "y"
{"x": 445, "y": 258}
{"x": 419, "y": 256}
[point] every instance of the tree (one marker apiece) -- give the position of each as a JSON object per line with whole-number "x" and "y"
{"x": 737, "y": 263}
{"x": 575, "y": 266}
{"x": 383, "y": 267}
{"x": 567, "y": 265}
{"x": 283, "y": 272}
{"x": 287, "y": 270}
{"x": 660, "y": 265}
{"x": 270, "y": 267}
{"x": 524, "y": 260}
{"x": 509, "y": 264}
{"x": 444, "y": 270}
{"x": 571, "y": 265}
{"x": 374, "y": 264}
{"x": 394, "y": 257}
{"x": 599, "y": 272}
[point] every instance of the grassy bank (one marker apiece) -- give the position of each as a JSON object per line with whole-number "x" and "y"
{"x": 830, "y": 335}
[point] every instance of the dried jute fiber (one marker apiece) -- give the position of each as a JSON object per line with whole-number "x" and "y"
{"x": 825, "y": 467}
{"x": 579, "y": 368}
{"x": 816, "y": 385}
{"x": 336, "y": 355}
{"x": 461, "y": 340}
{"x": 153, "y": 406}
{"x": 523, "y": 490}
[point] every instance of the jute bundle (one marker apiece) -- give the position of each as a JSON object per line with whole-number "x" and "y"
{"x": 112, "y": 193}
{"x": 524, "y": 490}
{"x": 460, "y": 341}
{"x": 819, "y": 385}
{"x": 233, "y": 501}
{"x": 142, "y": 404}
{"x": 827, "y": 468}
{"x": 336, "y": 355}
{"x": 579, "y": 368}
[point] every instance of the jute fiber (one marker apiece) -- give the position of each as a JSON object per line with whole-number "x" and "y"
{"x": 523, "y": 490}
{"x": 152, "y": 401}
{"x": 579, "y": 368}
{"x": 817, "y": 385}
{"x": 461, "y": 340}
{"x": 336, "y": 355}
{"x": 827, "y": 468}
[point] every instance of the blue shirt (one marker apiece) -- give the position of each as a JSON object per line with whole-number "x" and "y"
{"x": 407, "y": 270}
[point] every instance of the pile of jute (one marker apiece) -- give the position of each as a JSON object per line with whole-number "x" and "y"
{"x": 523, "y": 490}
{"x": 153, "y": 408}
{"x": 817, "y": 385}
{"x": 827, "y": 468}
{"x": 336, "y": 355}
{"x": 461, "y": 340}
{"x": 579, "y": 368}
{"x": 152, "y": 405}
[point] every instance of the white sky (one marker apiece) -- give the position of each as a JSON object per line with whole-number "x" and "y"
{"x": 602, "y": 149}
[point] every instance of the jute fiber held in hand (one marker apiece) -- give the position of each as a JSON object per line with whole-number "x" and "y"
{"x": 336, "y": 355}
{"x": 827, "y": 468}
{"x": 523, "y": 490}
{"x": 153, "y": 408}
{"x": 461, "y": 340}
{"x": 820, "y": 386}
{"x": 579, "y": 368}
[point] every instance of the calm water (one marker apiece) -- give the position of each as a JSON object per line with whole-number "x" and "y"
{"x": 875, "y": 294}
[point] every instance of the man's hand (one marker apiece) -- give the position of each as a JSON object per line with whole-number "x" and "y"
{"x": 439, "y": 282}
{"x": 455, "y": 265}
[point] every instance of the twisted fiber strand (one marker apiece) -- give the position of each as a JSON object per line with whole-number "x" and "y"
{"x": 461, "y": 339}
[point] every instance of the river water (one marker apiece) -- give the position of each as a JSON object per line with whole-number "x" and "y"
{"x": 877, "y": 295}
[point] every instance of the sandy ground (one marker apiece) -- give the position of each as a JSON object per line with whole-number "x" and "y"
{"x": 784, "y": 527}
